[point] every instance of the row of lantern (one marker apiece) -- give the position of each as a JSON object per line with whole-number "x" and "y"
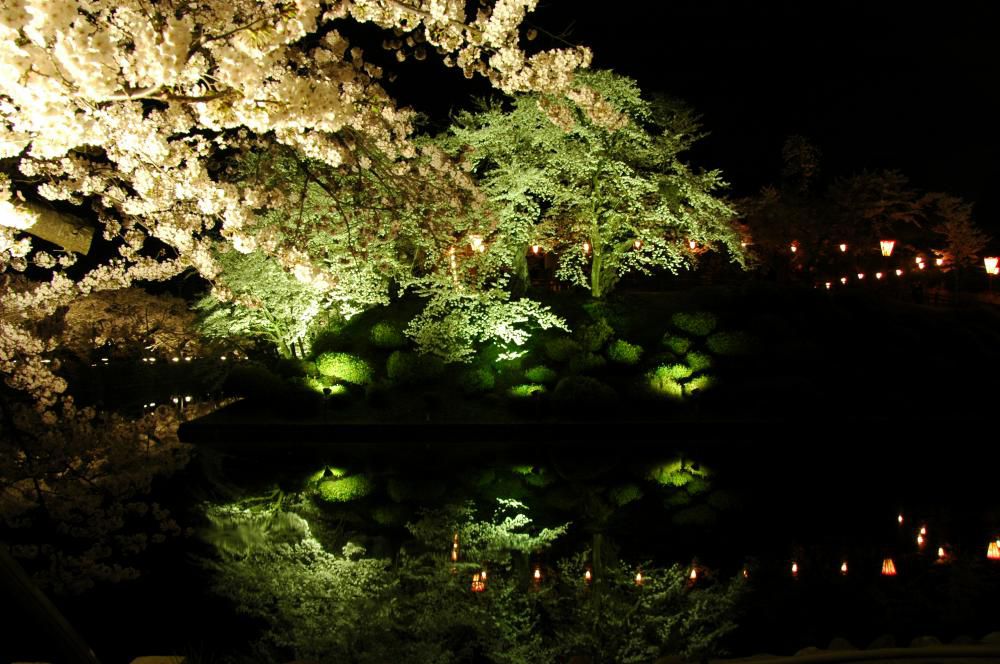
{"x": 636, "y": 244}
{"x": 888, "y": 566}
{"x": 885, "y": 246}
{"x": 991, "y": 263}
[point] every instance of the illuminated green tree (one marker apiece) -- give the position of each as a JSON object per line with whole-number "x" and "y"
{"x": 608, "y": 193}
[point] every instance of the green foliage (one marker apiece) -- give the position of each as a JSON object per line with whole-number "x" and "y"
{"x": 625, "y": 494}
{"x": 257, "y": 299}
{"x": 345, "y": 489}
{"x": 404, "y": 367}
{"x": 585, "y": 362}
{"x": 385, "y": 334}
{"x": 593, "y": 336}
{"x": 698, "y": 323}
{"x": 729, "y": 343}
{"x": 667, "y": 373}
{"x": 541, "y": 374}
{"x": 561, "y": 349}
{"x": 623, "y": 352}
{"x": 389, "y": 515}
{"x": 677, "y": 473}
{"x": 583, "y": 390}
{"x": 476, "y": 380}
{"x": 698, "y": 361}
{"x": 679, "y": 345}
{"x": 555, "y": 174}
{"x": 699, "y": 384}
{"x": 345, "y": 367}
{"x": 526, "y": 390}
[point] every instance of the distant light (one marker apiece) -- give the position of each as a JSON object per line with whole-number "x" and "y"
{"x": 828, "y": 284}
{"x": 899, "y": 273}
{"x": 888, "y": 567}
{"x": 923, "y": 530}
{"x": 794, "y": 247}
{"x": 175, "y": 359}
{"x": 535, "y": 249}
{"x": 176, "y": 400}
{"x": 587, "y": 577}
{"x": 861, "y": 275}
{"x": 692, "y": 244}
{"x": 187, "y": 359}
{"x": 637, "y": 244}
{"x": 694, "y": 574}
{"x": 795, "y": 569}
{"x": 223, "y": 358}
{"x": 187, "y": 399}
{"x": 476, "y": 242}
{"x": 586, "y": 247}
{"x": 993, "y": 550}
{"x": 878, "y": 275}
{"x": 537, "y": 575}
{"x": 886, "y": 246}
{"x": 843, "y": 280}
{"x": 638, "y": 578}
{"x": 899, "y": 519}
{"x": 843, "y": 567}
{"x": 921, "y": 541}
{"x": 921, "y": 265}
{"x": 843, "y": 246}
{"x": 918, "y": 260}
{"x": 991, "y": 264}
{"x": 939, "y": 262}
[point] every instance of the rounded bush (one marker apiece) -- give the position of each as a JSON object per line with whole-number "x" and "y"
{"x": 477, "y": 380}
{"x": 387, "y": 335}
{"x": 561, "y": 349}
{"x": 586, "y": 362}
{"x": 679, "y": 345}
{"x": 699, "y": 384}
{"x": 593, "y": 336}
{"x": 625, "y": 494}
{"x": 698, "y": 361}
{"x": 526, "y": 390}
{"x": 541, "y": 374}
{"x": 345, "y": 367}
{"x": 623, "y": 352}
{"x": 345, "y": 489}
{"x": 698, "y": 323}
{"x": 584, "y": 390}
{"x": 729, "y": 343}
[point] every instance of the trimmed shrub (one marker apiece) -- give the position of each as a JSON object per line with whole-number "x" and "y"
{"x": 699, "y": 384}
{"x": 625, "y": 494}
{"x": 477, "y": 380}
{"x": 526, "y": 390}
{"x": 666, "y": 380}
{"x": 623, "y": 352}
{"x": 404, "y": 367}
{"x": 561, "y": 349}
{"x": 698, "y": 323}
{"x": 541, "y": 374}
{"x": 593, "y": 336}
{"x": 345, "y": 489}
{"x": 586, "y": 362}
{"x": 584, "y": 390}
{"x": 386, "y": 335}
{"x": 698, "y": 361}
{"x": 678, "y": 345}
{"x": 729, "y": 343}
{"x": 674, "y": 371}
{"x": 345, "y": 367}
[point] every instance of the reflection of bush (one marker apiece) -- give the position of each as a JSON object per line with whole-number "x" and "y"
{"x": 623, "y": 352}
{"x": 698, "y": 323}
{"x": 345, "y": 489}
{"x": 345, "y": 367}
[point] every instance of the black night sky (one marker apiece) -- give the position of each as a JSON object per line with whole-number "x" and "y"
{"x": 881, "y": 84}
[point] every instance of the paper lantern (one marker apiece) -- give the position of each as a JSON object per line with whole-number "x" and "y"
{"x": 886, "y": 246}
{"x": 939, "y": 262}
{"x": 899, "y": 519}
{"x": 586, "y": 247}
{"x": 639, "y": 578}
{"x": 888, "y": 567}
{"x": 923, "y": 530}
{"x": 861, "y": 275}
{"x": 899, "y": 273}
{"x": 478, "y": 582}
{"x": 694, "y": 575}
{"x": 828, "y": 284}
{"x": 878, "y": 275}
{"x": 692, "y": 244}
{"x": 921, "y": 541}
{"x": 454, "y": 548}
{"x": 536, "y": 576}
{"x": 992, "y": 264}
{"x": 535, "y": 249}
{"x": 588, "y": 577}
{"x": 794, "y": 247}
{"x": 993, "y": 550}
{"x": 637, "y": 244}
{"x": 795, "y": 570}
{"x": 843, "y": 280}
{"x": 843, "y": 247}
{"x": 843, "y": 568}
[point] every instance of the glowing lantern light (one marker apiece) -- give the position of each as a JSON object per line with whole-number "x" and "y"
{"x": 923, "y": 530}
{"x": 993, "y": 550}
{"x": 843, "y": 568}
{"x": 921, "y": 265}
{"x": 535, "y": 249}
{"x": 918, "y": 260}
{"x": 794, "y": 247}
{"x": 886, "y": 246}
{"x": 587, "y": 577}
{"x": 454, "y": 548}
{"x": 176, "y": 400}
{"x": 861, "y": 275}
{"x": 187, "y": 359}
{"x": 843, "y": 247}
{"x": 743, "y": 244}
{"x": 639, "y": 578}
{"x": 175, "y": 359}
{"x": 939, "y": 262}
{"x": 637, "y": 244}
{"x": 878, "y": 275}
{"x": 795, "y": 570}
{"x": 223, "y": 358}
{"x": 992, "y": 264}
{"x": 692, "y": 244}
{"x": 586, "y": 247}
{"x": 942, "y": 555}
{"x": 888, "y": 567}
{"x": 828, "y": 284}
{"x": 746, "y": 572}
{"x": 843, "y": 280}
{"x": 921, "y": 541}
{"x": 536, "y": 576}
{"x": 899, "y": 273}
{"x": 187, "y": 399}
{"x": 899, "y": 519}
{"x": 476, "y": 242}
{"x": 694, "y": 575}
{"x": 478, "y": 582}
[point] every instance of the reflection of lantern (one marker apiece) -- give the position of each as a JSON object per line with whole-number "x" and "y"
{"x": 992, "y": 264}
{"x": 843, "y": 247}
{"x": 638, "y": 578}
{"x": 843, "y": 568}
{"x": 588, "y": 577}
{"x": 454, "y": 548}
{"x": 478, "y": 582}
{"x": 888, "y": 567}
{"x": 993, "y": 550}
{"x": 886, "y": 246}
